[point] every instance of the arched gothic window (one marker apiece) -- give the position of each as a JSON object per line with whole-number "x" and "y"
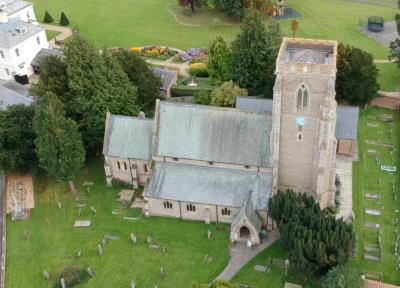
{"x": 191, "y": 208}
{"x": 167, "y": 205}
{"x": 302, "y": 98}
{"x": 226, "y": 212}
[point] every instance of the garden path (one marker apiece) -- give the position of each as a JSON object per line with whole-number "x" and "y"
{"x": 65, "y": 32}
{"x": 182, "y": 68}
{"x": 241, "y": 255}
{"x": 344, "y": 168}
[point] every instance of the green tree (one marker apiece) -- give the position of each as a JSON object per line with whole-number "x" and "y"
{"x": 193, "y": 4}
{"x": 17, "y": 147}
{"x": 234, "y": 8}
{"x": 341, "y": 277}
{"x": 254, "y": 53}
{"x": 219, "y": 60}
{"x": 47, "y": 17}
{"x": 395, "y": 52}
{"x": 59, "y": 144}
{"x": 97, "y": 84}
{"x": 225, "y": 95}
{"x": 64, "y": 20}
{"x": 356, "y": 79}
{"x": 139, "y": 73}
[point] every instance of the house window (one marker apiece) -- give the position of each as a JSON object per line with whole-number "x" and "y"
{"x": 167, "y": 205}
{"x": 145, "y": 168}
{"x": 226, "y": 212}
{"x": 7, "y": 71}
{"x": 125, "y": 166}
{"x": 119, "y": 165}
{"x": 2, "y": 54}
{"x": 17, "y": 52}
{"x": 38, "y": 40}
{"x": 302, "y": 98}
{"x": 299, "y": 133}
{"x": 191, "y": 208}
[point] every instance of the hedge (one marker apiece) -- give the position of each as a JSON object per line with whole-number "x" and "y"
{"x": 198, "y": 69}
{"x": 375, "y": 20}
{"x": 183, "y": 90}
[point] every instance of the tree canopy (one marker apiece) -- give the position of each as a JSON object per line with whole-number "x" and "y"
{"x": 226, "y": 94}
{"x": 17, "y": 147}
{"x": 254, "y": 53}
{"x": 356, "y": 79}
{"x": 218, "y": 64}
{"x": 315, "y": 240}
{"x": 193, "y": 4}
{"x": 342, "y": 277}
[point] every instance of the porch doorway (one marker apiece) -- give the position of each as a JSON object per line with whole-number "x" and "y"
{"x": 244, "y": 233}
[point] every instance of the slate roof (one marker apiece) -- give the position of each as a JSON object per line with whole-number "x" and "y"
{"x": 216, "y": 134}
{"x": 128, "y": 137}
{"x": 13, "y": 6}
{"x": 214, "y": 186}
{"x": 167, "y": 77}
{"x": 10, "y": 36}
{"x": 12, "y": 94}
{"x": 346, "y": 122}
{"x": 43, "y": 53}
{"x": 308, "y": 56}
{"x": 247, "y": 210}
{"x": 346, "y": 116}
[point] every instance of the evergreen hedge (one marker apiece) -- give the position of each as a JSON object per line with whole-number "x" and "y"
{"x": 47, "y": 17}
{"x": 183, "y": 90}
{"x": 64, "y": 20}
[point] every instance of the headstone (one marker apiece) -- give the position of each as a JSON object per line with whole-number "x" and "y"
{"x": 154, "y": 246}
{"x": 114, "y": 212}
{"x": 62, "y": 282}
{"x": 163, "y": 249}
{"x": 79, "y": 212}
{"x": 94, "y": 211}
{"x": 46, "y": 275}
{"x": 103, "y": 242}
{"x": 149, "y": 240}
{"x": 162, "y": 273}
{"x": 91, "y": 272}
{"x": 27, "y": 236}
{"x": 209, "y": 234}
{"x": 79, "y": 254}
{"x": 59, "y": 205}
{"x": 133, "y": 238}
{"x": 100, "y": 249}
{"x": 131, "y": 218}
{"x": 133, "y": 285}
{"x": 111, "y": 237}
{"x": 260, "y": 268}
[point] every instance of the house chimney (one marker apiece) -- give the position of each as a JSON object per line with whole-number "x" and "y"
{"x": 142, "y": 115}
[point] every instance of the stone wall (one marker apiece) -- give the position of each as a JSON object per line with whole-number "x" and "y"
{"x": 131, "y": 171}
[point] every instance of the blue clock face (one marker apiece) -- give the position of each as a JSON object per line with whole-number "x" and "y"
{"x": 301, "y": 120}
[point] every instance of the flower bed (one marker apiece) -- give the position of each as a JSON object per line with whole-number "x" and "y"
{"x": 155, "y": 52}
{"x": 194, "y": 55}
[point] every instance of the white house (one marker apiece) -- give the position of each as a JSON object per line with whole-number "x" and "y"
{"x": 18, "y": 9}
{"x": 20, "y": 41}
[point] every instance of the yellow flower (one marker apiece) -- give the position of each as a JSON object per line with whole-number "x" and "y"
{"x": 136, "y": 49}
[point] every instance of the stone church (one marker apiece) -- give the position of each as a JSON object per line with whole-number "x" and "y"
{"x": 217, "y": 164}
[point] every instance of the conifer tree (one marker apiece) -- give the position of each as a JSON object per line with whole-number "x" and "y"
{"x": 218, "y": 64}
{"x": 47, "y": 17}
{"x": 64, "y": 20}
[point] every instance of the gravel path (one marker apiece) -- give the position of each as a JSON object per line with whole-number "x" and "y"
{"x": 65, "y": 32}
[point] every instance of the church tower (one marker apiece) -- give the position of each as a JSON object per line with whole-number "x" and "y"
{"x": 304, "y": 119}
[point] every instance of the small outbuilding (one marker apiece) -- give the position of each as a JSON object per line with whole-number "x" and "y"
{"x": 168, "y": 78}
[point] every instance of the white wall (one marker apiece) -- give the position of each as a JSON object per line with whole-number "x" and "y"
{"x": 27, "y": 14}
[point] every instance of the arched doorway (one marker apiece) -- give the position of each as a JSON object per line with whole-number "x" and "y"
{"x": 244, "y": 232}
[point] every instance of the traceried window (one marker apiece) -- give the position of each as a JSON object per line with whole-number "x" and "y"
{"x": 191, "y": 208}
{"x": 167, "y": 205}
{"x": 226, "y": 212}
{"x": 302, "y": 98}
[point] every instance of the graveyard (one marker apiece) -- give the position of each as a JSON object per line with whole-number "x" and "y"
{"x": 115, "y": 245}
{"x": 376, "y": 196}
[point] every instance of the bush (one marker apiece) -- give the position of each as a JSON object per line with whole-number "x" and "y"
{"x": 47, "y": 17}
{"x": 203, "y": 98}
{"x": 198, "y": 69}
{"x": 72, "y": 275}
{"x": 183, "y": 90}
{"x": 375, "y": 20}
{"x": 64, "y": 20}
{"x": 341, "y": 277}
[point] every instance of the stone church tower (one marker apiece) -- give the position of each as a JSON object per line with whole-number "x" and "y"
{"x": 304, "y": 118}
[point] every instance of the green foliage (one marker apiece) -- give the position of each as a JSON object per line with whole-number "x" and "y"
{"x": 315, "y": 241}
{"x": 254, "y": 53}
{"x": 397, "y": 19}
{"x": 72, "y": 275}
{"x": 219, "y": 60}
{"x": 395, "y": 52}
{"x": 234, "y": 8}
{"x": 203, "y": 98}
{"x": 375, "y": 20}
{"x": 225, "y": 95}
{"x": 356, "y": 80}
{"x": 140, "y": 75}
{"x": 193, "y": 4}
{"x": 59, "y": 144}
{"x": 64, "y": 20}
{"x": 198, "y": 70}
{"x": 183, "y": 90}
{"x": 47, "y": 17}
{"x": 341, "y": 277}
{"x": 17, "y": 147}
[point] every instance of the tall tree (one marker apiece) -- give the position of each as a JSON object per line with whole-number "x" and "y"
{"x": 219, "y": 60}
{"x": 254, "y": 54}
{"x": 97, "y": 84}
{"x": 193, "y": 4}
{"x": 356, "y": 79}
{"x": 395, "y": 45}
{"x": 342, "y": 277}
{"x": 235, "y": 8}
{"x": 226, "y": 94}
{"x": 59, "y": 144}
{"x": 140, "y": 75}
{"x": 17, "y": 147}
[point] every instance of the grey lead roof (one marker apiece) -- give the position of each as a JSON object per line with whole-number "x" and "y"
{"x": 346, "y": 122}
{"x": 207, "y": 185}
{"x": 10, "y": 36}
{"x": 11, "y": 96}
{"x": 247, "y": 210}
{"x": 13, "y": 6}
{"x": 43, "y": 53}
{"x": 346, "y": 116}
{"x": 128, "y": 137}
{"x": 167, "y": 76}
{"x": 216, "y": 134}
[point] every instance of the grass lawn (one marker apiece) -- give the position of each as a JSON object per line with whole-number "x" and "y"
{"x": 389, "y": 77}
{"x": 54, "y": 242}
{"x": 51, "y": 34}
{"x": 366, "y": 173}
{"x": 138, "y": 22}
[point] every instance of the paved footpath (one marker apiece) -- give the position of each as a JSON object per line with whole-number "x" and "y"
{"x": 65, "y": 32}
{"x": 241, "y": 255}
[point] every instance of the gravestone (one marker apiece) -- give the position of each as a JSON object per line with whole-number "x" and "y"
{"x": 372, "y": 225}
{"x": 59, "y": 205}
{"x": 82, "y": 223}
{"x": 149, "y": 240}
{"x": 162, "y": 273}
{"x": 133, "y": 238}
{"x": 27, "y": 236}
{"x": 103, "y": 242}
{"x": 372, "y": 196}
{"x": 79, "y": 254}
{"x": 131, "y": 218}
{"x": 133, "y": 285}
{"x": 209, "y": 234}
{"x": 46, "y": 275}
{"x": 100, "y": 249}
{"x": 91, "y": 272}
{"x": 260, "y": 268}
{"x": 79, "y": 212}
{"x": 154, "y": 246}
{"x": 111, "y": 237}
{"x": 62, "y": 282}
{"x": 373, "y": 212}
{"x": 207, "y": 259}
{"x": 94, "y": 211}
{"x": 113, "y": 212}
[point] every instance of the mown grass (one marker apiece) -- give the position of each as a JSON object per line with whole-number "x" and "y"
{"x": 55, "y": 242}
{"x": 389, "y": 77}
{"x": 366, "y": 175}
{"x": 138, "y": 22}
{"x": 51, "y": 34}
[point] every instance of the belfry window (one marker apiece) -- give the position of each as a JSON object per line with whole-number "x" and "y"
{"x": 302, "y": 98}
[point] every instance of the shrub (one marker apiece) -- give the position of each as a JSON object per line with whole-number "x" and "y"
{"x": 203, "y": 98}
{"x": 198, "y": 69}
{"x": 183, "y": 90}
{"x": 64, "y": 20}
{"x": 47, "y": 17}
{"x": 72, "y": 275}
{"x": 341, "y": 276}
{"x": 375, "y": 20}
